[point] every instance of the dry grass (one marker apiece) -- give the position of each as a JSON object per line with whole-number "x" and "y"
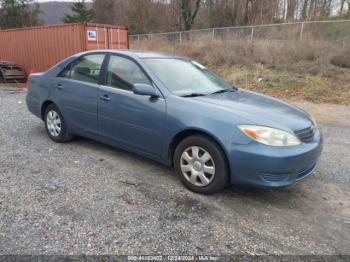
{"x": 288, "y": 69}
{"x": 281, "y": 83}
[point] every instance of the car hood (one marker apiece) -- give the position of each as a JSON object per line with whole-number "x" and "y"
{"x": 260, "y": 109}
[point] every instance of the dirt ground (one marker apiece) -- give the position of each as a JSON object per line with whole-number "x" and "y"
{"x": 84, "y": 197}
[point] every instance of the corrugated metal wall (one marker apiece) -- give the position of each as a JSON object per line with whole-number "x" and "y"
{"x": 39, "y": 48}
{"x": 107, "y": 37}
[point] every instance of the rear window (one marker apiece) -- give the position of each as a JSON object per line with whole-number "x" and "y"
{"x": 85, "y": 69}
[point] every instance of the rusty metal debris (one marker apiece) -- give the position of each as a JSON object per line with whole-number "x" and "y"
{"x": 11, "y": 72}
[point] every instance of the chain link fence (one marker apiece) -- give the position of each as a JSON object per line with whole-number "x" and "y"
{"x": 335, "y": 31}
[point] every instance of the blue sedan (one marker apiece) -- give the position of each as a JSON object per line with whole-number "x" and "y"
{"x": 175, "y": 111}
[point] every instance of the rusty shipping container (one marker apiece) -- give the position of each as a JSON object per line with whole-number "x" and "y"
{"x": 39, "y": 48}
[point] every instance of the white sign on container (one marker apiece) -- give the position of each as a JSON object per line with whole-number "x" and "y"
{"x": 92, "y": 36}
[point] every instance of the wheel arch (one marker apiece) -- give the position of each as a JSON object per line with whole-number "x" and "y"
{"x": 44, "y": 105}
{"x": 190, "y": 132}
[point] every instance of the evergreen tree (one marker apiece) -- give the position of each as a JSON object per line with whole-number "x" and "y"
{"x": 19, "y": 13}
{"x": 81, "y": 13}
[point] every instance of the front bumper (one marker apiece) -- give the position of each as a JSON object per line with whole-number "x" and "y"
{"x": 259, "y": 165}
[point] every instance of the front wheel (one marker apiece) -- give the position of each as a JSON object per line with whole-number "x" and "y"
{"x": 201, "y": 165}
{"x": 55, "y": 126}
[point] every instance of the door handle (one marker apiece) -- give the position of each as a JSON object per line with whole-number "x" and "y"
{"x": 59, "y": 86}
{"x": 105, "y": 98}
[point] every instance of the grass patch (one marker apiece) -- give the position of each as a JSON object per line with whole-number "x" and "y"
{"x": 282, "y": 80}
{"x": 287, "y": 85}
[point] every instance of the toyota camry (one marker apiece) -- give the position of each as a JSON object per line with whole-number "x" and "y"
{"x": 175, "y": 111}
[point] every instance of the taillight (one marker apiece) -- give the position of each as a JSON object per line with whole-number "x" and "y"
{"x": 28, "y": 77}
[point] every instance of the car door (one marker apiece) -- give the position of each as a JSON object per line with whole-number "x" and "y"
{"x": 126, "y": 118}
{"x": 76, "y": 93}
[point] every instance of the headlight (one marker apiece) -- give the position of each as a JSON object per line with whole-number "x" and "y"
{"x": 269, "y": 136}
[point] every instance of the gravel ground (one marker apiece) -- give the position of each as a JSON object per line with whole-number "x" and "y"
{"x": 84, "y": 197}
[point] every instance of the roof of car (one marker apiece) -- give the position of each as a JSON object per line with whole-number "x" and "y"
{"x": 140, "y": 53}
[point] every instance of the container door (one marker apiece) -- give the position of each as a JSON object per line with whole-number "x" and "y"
{"x": 97, "y": 38}
{"x": 118, "y": 38}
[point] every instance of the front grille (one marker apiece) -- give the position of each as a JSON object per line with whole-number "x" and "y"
{"x": 306, "y": 135}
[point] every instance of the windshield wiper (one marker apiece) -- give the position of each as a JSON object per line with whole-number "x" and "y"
{"x": 222, "y": 91}
{"x": 225, "y": 90}
{"x": 194, "y": 94}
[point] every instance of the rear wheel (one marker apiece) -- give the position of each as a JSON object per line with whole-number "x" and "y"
{"x": 201, "y": 165}
{"x": 55, "y": 126}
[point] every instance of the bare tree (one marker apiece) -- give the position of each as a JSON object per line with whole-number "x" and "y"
{"x": 189, "y": 12}
{"x": 342, "y": 3}
{"x": 304, "y": 9}
{"x": 291, "y": 5}
{"x": 147, "y": 16}
{"x": 104, "y": 10}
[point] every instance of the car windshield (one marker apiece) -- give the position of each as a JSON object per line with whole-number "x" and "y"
{"x": 186, "y": 78}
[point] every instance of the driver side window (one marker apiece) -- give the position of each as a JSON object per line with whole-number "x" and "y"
{"x": 122, "y": 73}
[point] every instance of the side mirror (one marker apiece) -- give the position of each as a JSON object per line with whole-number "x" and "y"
{"x": 145, "y": 90}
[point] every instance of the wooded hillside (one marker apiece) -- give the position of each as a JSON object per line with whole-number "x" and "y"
{"x": 150, "y": 16}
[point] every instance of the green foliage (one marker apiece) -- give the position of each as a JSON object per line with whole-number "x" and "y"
{"x": 81, "y": 13}
{"x": 19, "y": 13}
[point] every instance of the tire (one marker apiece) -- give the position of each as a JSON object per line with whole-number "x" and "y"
{"x": 196, "y": 172}
{"x": 55, "y": 125}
